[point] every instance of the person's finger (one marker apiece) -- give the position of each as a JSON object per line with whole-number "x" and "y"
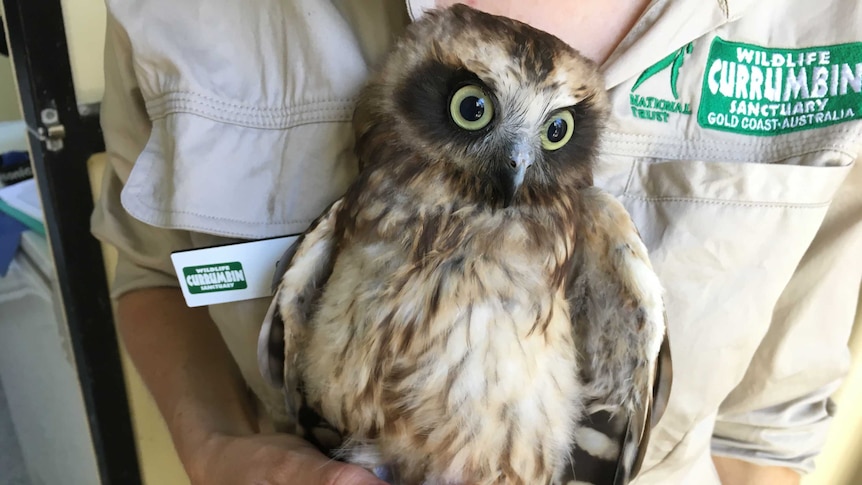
{"x": 352, "y": 475}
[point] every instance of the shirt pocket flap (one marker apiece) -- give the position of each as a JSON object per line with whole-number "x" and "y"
{"x": 790, "y": 184}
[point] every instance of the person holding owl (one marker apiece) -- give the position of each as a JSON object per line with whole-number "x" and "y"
{"x": 732, "y": 140}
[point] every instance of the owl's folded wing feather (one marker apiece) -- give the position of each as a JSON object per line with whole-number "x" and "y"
{"x": 619, "y": 325}
{"x": 300, "y": 274}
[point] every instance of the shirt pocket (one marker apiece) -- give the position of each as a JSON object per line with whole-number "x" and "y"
{"x": 728, "y": 235}
{"x": 725, "y": 237}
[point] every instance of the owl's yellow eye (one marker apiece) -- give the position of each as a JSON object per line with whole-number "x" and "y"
{"x": 558, "y": 130}
{"x": 471, "y": 108}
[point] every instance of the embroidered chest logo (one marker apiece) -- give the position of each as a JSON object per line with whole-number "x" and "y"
{"x": 763, "y": 91}
{"x": 657, "y": 108}
{"x": 215, "y": 277}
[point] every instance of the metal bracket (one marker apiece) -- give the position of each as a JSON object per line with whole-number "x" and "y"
{"x": 52, "y": 133}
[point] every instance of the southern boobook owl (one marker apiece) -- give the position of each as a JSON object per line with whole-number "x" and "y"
{"x": 472, "y": 299}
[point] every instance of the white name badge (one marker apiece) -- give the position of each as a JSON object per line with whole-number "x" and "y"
{"x": 233, "y": 272}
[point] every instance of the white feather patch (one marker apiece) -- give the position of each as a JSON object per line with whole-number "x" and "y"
{"x": 596, "y": 443}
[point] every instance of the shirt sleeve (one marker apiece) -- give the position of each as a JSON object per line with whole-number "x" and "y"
{"x": 780, "y": 412}
{"x": 143, "y": 251}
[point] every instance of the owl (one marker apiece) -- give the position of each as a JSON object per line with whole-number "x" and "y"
{"x": 473, "y": 310}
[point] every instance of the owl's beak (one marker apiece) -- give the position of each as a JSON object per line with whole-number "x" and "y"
{"x": 520, "y": 159}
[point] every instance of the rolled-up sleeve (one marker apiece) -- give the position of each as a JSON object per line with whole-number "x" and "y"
{"x": 143, "y": 251}
{"x": 780, "y": 413}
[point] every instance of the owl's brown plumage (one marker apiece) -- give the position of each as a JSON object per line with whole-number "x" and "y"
{"x": 458, "y": 312}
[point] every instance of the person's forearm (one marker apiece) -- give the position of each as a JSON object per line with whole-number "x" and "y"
{"x": 187, "y": 367}
{"x": 737, "y": 472}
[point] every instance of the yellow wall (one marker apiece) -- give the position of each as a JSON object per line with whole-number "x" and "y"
{"x": 9, "y": 106}
{"x": 9, "y": 109}
{"x": 85, "y": 34}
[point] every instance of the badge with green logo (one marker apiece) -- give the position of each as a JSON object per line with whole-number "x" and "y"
{"x": 763, "y": 91}
{"x": 231, "y": 272}
{"x": 215, "y": 277}
{"x": 660, "y": 108}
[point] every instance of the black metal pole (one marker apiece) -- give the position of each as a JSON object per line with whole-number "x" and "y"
{"x": 62, "y": 139}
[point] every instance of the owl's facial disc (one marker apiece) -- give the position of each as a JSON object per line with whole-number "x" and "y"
{"x": 512, "y": 131}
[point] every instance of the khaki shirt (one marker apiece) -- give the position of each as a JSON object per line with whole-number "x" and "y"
{"x": 733, "y": 140}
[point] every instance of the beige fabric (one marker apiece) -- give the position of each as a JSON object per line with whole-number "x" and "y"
{"x": 227, "y": 120}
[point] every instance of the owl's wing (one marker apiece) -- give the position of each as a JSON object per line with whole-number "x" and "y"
{"x": 300, "y": 275}
{"x": 619, "y": 326}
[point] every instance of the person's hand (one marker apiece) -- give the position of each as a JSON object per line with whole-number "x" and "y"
{"x": 275, "y": 459}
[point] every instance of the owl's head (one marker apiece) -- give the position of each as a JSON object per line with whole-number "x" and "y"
{"x": 511, "y": 106}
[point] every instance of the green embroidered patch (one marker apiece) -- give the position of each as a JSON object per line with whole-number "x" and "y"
{"x": 655, "y": 108}
{"x": 762, "y": 91}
